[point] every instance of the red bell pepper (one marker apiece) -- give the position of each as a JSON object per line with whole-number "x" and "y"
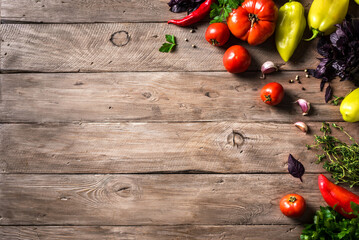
{"x": 337, "y": 197}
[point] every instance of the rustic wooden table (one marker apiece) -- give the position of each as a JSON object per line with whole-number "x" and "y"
{"x": 115, "y": 140}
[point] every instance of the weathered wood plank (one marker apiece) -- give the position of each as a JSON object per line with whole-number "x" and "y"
{"x": 87, "y": 48}
{"x": 65, "y": 11}
{"x": 217, "y": 147}
{"x": 87, "y": 11}
{"x": 223, "y": 147}
{"x": 152, "y": 199}
{"x": 190, "y": 232}
{"x": 113, "y": 97}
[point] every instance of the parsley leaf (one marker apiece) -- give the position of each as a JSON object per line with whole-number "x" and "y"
{"x": 167, "y": 47}
{"x": 221, "y": 11}
{"x": 170, "y": 39}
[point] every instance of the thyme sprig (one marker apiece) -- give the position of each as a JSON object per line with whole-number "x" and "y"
{"x": 342, "y": 158}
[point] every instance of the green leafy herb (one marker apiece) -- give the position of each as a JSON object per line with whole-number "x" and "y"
{"x": 167, "y": 47}
{"x": 221, "y": 11}
{"x": 337, "y": 100}
{"x": 342, "y": 158}
{"x": 330, "y": 225}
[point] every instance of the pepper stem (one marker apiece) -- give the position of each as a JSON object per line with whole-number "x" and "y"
{"x": 292, "y": 199}
{"x": 316, "y": 32}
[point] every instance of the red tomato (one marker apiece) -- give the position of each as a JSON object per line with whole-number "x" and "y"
{"x": 272, "y": 93}
{"x": 292, "y": 205}
{"x": 254, "y": 21}
{"x": 217, "y": 34}
{"x": 236, "y": 59}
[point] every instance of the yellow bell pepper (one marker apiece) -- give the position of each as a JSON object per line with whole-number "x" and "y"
{"x": 349, "y": 108}
{"x": 290, "y": 28}
{"x": 324, "y": 14}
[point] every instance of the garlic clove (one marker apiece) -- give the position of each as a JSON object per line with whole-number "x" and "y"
{"x": 302, "y": 126}
{"x": 304, "y": 105}
{"x": 268, "y": 67}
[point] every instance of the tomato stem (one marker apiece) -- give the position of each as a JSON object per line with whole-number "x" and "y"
{"x": 253, "y": 18}
{"x": 292, "y": 199}
{"x": 268, "y": 98}
{"x": 214, "y": 42}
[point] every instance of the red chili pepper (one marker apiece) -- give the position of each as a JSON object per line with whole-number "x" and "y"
{"x": 337, "y": 197}
{"x": 195, "y": 16}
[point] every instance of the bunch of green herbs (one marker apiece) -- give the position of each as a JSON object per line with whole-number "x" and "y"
{"x": 330, "y": 225}
{"x": 342, "y": 159}
{"x": 221, "y": 11}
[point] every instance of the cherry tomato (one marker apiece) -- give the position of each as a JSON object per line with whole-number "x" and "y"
{"x": 217, "y": 34}
{"x": 292, "y": 205}
{"x": 236, "y": 59}
{"x": 272, "y": 93}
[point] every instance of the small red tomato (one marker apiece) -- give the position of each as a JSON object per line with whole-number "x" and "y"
{"x": 217, "y": 34}
{"x": 236, "y": 59}
{"x": 292, "y": 205}
{"x": 272, "y": 93}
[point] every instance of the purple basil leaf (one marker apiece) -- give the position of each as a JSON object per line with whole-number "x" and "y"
{"x": 328, "y": 93}
{"x": 184, "y": 5}
{"x": 322, "y": 83}
{"x": 321, "y": 68}
{"x": 311, "y": 71}
{"x": 295, "y": 168}
{"x": 323, "y": 47}
{"x": 355, "y": 23}
{"x": 178, "y": 8}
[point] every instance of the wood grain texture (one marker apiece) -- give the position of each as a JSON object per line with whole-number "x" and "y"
{"x": 86, "y": 11}
{"x": 87, "y": 48}
{"x": 223, "y": 147}
{"x": 90, "y": 11}
{"x": 114, "y": 97}
{"x": 190, "y": 232}
{"x": 153, "y": 199}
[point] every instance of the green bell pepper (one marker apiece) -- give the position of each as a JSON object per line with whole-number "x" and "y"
{"x": 324, "y": 14}
{"x": 290, "y": 28}
{"x": 349, "y": 108}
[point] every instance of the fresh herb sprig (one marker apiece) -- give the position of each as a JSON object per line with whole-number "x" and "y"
{"x": 328, "y": 224}
{"x": 342, "y": 158}
{"x": 337, "y": 100}
{"x": 221, "y": 11}
{"x": 167, "y": 47}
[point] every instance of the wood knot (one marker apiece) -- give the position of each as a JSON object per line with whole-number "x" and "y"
{"x": 147, "y": 94}
{"x": 78, "y": 83}
{"x": 120, "y": 38}
{"x": 235, "y": 139}
{"x": 211, "y": 94}
{"x": 123, "y": 190}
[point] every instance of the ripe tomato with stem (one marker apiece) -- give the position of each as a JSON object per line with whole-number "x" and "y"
{"x": 217, "y": 34}
{"x": 272, "y": 93}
